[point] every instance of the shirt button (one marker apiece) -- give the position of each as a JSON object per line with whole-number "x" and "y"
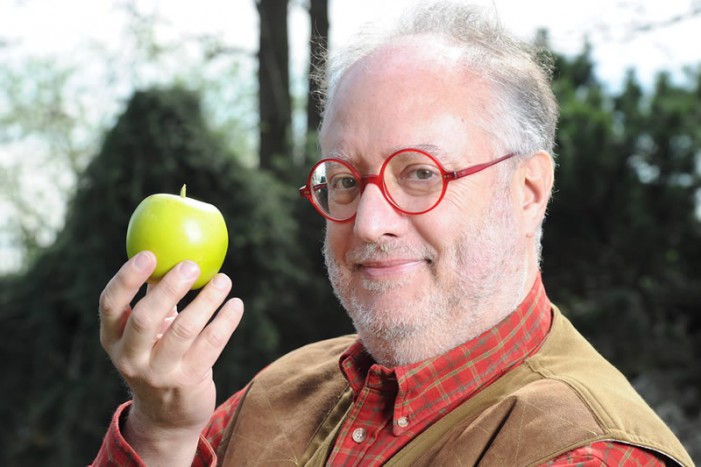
{"x": 403, "y": 422}
{"x": 358, "y": 435}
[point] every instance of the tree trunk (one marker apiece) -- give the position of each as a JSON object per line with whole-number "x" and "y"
{"x": 318, "y": 42}
{"x": 274, "y": 82}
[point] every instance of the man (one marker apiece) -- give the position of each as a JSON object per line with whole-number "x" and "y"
{"x": 436, "y": 172}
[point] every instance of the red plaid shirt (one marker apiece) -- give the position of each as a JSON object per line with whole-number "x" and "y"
{"x": 393, "y": 405}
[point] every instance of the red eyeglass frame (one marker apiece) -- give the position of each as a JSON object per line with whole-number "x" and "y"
{"x": 448, "y": 176}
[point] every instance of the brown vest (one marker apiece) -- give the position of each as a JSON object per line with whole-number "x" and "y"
{"x": 563, "y": 397}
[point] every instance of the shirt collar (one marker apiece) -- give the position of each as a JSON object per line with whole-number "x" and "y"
{"x": 426, "y": 389}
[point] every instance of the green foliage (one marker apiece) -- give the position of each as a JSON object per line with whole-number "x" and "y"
{"x": 622, "y": 244}
{"x": 59, "y": 387}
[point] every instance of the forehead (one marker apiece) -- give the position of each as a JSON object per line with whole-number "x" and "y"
{"x": 413, "y": 93}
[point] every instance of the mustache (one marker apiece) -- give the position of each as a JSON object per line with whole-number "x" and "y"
{"x": 383, "y": 250}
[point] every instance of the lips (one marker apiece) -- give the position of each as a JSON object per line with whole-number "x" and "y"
{"x": 388, "y": 268}
{"x": 377, "y": 261}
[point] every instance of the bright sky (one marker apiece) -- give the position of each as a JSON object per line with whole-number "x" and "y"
{"x": 607, "y": 23}
{"x": 47, "y": 27}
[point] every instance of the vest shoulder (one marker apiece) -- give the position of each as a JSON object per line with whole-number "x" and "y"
{"x": 526, "y": 426}
{"x": 618, "y": 409}
{"x": 568, "y": 357}
{"x": 316, "y": 362}
{"x": 530, "y": 424}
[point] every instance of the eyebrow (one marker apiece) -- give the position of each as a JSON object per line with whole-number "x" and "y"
{"x": 445, "y": 158}
{"x": 429, "y": 148}
{"x": 432, "y": 149}
{"x": 336, "y": 154}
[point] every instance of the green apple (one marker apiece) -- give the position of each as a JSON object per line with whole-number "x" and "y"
{"x": 177, "y": 228}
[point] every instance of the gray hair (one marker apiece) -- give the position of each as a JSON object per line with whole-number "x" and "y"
{"x": 523, "y": 112}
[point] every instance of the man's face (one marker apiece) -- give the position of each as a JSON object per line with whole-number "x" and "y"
{"x": 416, "y": 286}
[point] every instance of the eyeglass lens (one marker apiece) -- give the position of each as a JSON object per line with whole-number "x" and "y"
{"x": 411, "y": 181}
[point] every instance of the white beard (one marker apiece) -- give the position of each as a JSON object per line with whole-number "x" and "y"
{"x": 481, "y": 280}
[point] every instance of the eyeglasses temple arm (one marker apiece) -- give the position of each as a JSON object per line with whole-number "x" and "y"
{"x": 476, "y": 168}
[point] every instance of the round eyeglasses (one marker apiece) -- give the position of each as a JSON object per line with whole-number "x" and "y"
{"x": 411, "y": 180}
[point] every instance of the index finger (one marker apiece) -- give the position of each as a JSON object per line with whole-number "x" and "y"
{"x": 117, "y": 295}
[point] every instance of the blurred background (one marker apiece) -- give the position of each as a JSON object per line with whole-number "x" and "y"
{"x": 105, "y": 102}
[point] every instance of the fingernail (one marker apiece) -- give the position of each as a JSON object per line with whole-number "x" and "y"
{"x": 142, "y": 261}
{"x": 189, "y": 270}
{"x": 220, "y": 282}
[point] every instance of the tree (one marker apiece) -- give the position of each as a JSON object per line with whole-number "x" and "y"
{"x": 319, "y": 315}
{"x": 40, "y": 127}
{"x": 274, "y": 82}
{"x": 621, "y": 243}
{"x": 318, "y": 43}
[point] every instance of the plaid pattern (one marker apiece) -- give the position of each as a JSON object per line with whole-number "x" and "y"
{"x": 606, "y": 453}
{"x": 392, "y": 406}
{"x": 395, "y": 405}
{"x": 116, "y": 452}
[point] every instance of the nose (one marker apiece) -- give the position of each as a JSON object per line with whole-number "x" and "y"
{"x": 375, "y": 217}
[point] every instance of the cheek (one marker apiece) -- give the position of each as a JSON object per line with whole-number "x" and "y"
{"x": 336, "y": 240}
{"x": 455, "y": 226}
{"x": 452, "y": 217}
{"x": 438, "y": 231}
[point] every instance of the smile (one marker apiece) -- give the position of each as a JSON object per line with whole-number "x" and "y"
{"x": 388, "y": 269}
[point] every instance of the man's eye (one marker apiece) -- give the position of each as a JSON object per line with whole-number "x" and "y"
{"x": 423, "y": 174}
{"x": 343, "y": 182}
{"x": 420, "y": 173}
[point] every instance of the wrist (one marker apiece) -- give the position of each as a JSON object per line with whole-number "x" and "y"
{"x": 159, "y": 445}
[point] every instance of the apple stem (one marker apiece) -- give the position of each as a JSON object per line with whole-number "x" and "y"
{"x": 183, "y": 190}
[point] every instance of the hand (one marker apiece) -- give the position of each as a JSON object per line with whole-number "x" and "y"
{"x": 164, "y": 356}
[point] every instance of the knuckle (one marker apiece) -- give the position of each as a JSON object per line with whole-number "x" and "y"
{"x": 133, "y": 376}
{"x": 172, "y": 289}
{"x": 125, "y": 367}
{"x": 215, "y": 339}
{"x": 106, "y": 302}
{"x": 209, "y": 298}
{"x": 212, "y": 296}
{"x": 127, "y": 371}
{"x": 183, "y": 331}
{"x": 135, "y": 373}
{"x": 141, "y": 321}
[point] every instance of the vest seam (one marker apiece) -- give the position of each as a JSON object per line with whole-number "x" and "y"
{"x": 536, "y": 368}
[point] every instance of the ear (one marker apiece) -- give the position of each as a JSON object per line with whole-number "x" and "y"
{"x": 535, "y": 182}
